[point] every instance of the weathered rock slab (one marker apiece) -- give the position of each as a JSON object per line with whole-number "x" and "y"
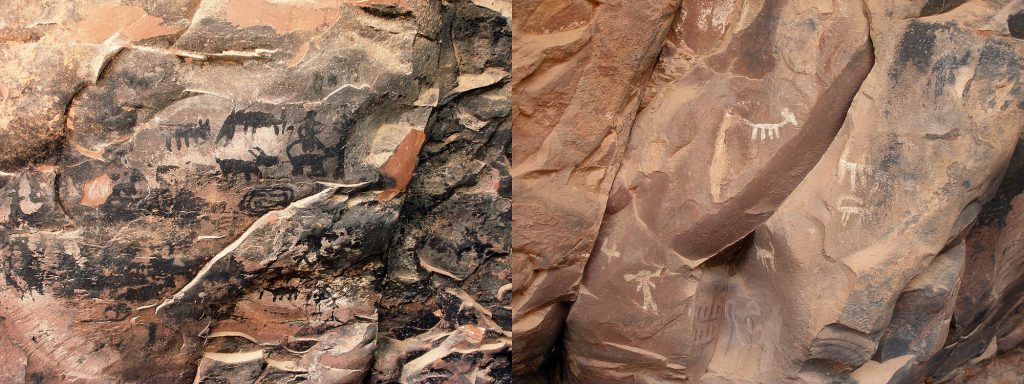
{"x": 255, "y": 191}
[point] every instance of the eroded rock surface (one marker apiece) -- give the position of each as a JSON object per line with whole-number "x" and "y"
{"x": 807, "y": 192}
{"x": 255, "y": 191}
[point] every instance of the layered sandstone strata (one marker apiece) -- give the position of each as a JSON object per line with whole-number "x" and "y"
{"x": 255, "y": 191}
{"x": 806, "y": 191}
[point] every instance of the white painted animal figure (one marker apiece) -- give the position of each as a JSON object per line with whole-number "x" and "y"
{"x": 850, "y": 209}
{"x": 762, "y": 131}
{"x": 853, "y": 172}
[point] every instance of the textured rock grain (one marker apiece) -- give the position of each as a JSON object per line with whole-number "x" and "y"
{"x": 795, "y": 191}
{"x": 255, "y": 191}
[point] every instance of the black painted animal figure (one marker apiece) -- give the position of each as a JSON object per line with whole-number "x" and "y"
{"x": 189, "y": 133}
{"x": 313, "y": 160}
{"x": 247, "y": 168}
{"x": 249, "y": 119}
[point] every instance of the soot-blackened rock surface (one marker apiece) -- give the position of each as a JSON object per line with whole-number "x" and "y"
{"x": 249, "y": 191}
{"x": 777, "y": 191}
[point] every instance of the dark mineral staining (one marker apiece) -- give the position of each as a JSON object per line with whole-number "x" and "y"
{"x": 22, "y": 268}
{"x": 32, "y": 147}
{"x": 503, "y": 316}
{"x": 996, "y": 210}
{"x": 1016, "y": 25}
{"x": 500, "y": 367}
{"x": 37, "y": 195}
{"x": 343, "y": 128}
{"x": 116, "y": 312}
{"x": 183, "y": 206}
{"x": 953, "y": 133}
{"x": 892, "y": 158}
{"x": 464, "y": 254}
{"x": 387, "y": 11}
{"x": 231, "y": 344}
{"x": 408, "y": 308}
{"x": 1000, "y": 65}
{"x": 247, "y": 168}
{"x": 483, "y": 27}
{"x": 117, "y": 105}
{"x": 505, "y": 184}
{"x": 232, "y": 280}
{"x": 455, "y": 313}
{"x": 335, "y": 248}
{"x": 324, "y": 83}
{"x": 221, "y": 35}
{"x": 114, "y": 271}
{"x": 752, "y": 53}
{"x": 301, "y": 345}
{"x": 126, "y": 192}
{"x": 150, "y": 334}
{"x": 259, "y": 201}
{"x": 944, "y": 71}
{"x": 916, "y": 47}
{"x": 129, "y": 199}
{"x": 935, "y": 7}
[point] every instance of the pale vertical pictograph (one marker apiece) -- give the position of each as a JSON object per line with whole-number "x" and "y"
{"x": 645, "y": 286}
{"x": 609, "y": 249}
{"x": 766, "y": 256}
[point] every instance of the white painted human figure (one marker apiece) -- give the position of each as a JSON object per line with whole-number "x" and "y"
{"x": 645, "y": 285}
{"x": 770, "y": 131}
{"x": 854, "y": 172}
{"x": 848, "y": 208}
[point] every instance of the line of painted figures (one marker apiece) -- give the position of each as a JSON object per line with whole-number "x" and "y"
{"x": 307, "y": 152}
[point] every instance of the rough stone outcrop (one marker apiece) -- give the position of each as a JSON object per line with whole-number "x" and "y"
{"x": 809, "y": 192}
{"x": 565, "y": 69}
{"x": 255, "y": 191}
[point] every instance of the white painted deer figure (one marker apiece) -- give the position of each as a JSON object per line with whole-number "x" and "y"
{"x": 854, "y": 172}
{"x": 769, "y": 131}
{"x": 645, "y": 285}
{"x": 848, "y": 208}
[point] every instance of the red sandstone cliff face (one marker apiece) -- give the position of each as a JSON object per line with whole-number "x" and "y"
{"x": 243, "y": 191}
{"x": 786, "y": 191}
